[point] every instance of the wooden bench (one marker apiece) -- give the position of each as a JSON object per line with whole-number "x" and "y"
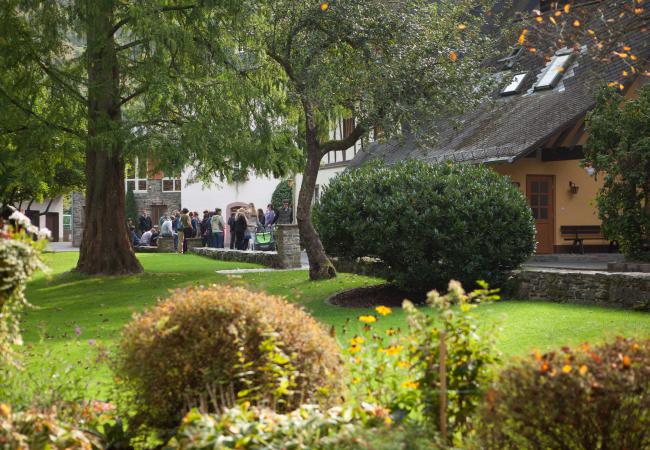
{"x": 580, "y": 233}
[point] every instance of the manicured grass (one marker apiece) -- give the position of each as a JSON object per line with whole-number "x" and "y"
{"x": 77, "y": 315}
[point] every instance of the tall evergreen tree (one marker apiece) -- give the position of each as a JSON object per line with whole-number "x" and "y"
{"x": 120, "y": 79}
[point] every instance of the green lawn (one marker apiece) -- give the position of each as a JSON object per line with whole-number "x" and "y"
{"x": 77, "y": 315}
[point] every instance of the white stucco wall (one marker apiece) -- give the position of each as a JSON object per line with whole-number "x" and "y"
{"x": 199, "y": 197}
{"x": 56, "y": 207}
{"x": 258, "y": 190}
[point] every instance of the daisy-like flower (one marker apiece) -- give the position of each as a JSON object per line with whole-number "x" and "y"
{"x": 367, "y": 319}
{"x": 44, "y": 233}
{"x": 410, "y": 384}
{"x": 20, "y": 219}
{"x": 383, "y": 310}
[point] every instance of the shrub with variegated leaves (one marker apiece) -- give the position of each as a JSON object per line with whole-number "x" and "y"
{"x": 31, "y": 430}
{"x": 19, "y": 259}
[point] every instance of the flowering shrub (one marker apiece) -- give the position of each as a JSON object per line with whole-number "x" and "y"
{"x": 400, "y": 369}
{"x": 217, "y": 347}
{"x": 584, "y": 398}
{"x": 40, "y": 431}
{"x": 19, "y": 259}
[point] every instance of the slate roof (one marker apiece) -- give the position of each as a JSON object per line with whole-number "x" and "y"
{"x": 509, "y": 127}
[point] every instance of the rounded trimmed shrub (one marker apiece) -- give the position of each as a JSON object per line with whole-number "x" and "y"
{"x": 580, "y": 399}
{"x": 282, "y": 191}
{"x": 212, "y": 348}
{"x": 428, "y": 223}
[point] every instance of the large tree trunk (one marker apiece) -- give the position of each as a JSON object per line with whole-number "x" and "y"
{"x": 105, "y": 248}
{"x": 320, "y": 267}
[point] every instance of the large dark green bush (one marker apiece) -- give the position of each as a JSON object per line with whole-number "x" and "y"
{"x": 282, "y": 191}
{"x": 428, "y": 223}
{"x": 217, "y": 347}
{"x": 618, "y": 149}
{"x": 582, "y": 399}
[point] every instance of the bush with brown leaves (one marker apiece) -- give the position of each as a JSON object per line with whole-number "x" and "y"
{"x": 216, "y": 347}
{"x": 587, "y": 398}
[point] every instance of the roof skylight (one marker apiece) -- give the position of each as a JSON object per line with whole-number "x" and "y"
{"x": 516, "y": 84}
{"x": 554, "y": 71}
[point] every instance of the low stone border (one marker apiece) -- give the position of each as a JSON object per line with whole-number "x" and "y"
{"x": 627, "y": 290}
{"x": 269, "y": 259}
{"x": 628, "y": 267}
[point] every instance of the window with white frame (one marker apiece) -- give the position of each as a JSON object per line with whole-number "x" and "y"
{"x": 171, "y": 184}
{"x": 136, "y": 176}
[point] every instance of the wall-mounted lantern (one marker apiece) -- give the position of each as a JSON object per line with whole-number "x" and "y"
{"x": 573, "y": 188}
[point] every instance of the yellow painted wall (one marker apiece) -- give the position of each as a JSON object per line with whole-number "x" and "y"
{"x": 570, "y": 209}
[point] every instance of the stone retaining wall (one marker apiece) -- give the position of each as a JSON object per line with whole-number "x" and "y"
{"x": 287, "y": 239}
{"x": 629, "y": 290}
{"x": 269, "y": 259}
{"x": 166, "y": 245}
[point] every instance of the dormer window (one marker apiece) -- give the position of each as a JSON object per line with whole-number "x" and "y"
{"x": 555, "y": 70}
{"x": 516, "y": 85}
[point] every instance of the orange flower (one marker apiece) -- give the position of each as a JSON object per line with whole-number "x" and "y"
{"x": 522, "y": 36}
{"x": 583, "y": 369}
{"x": 453, "y": 56}
{"x": 626, "y": 361}
{"x": 537, "y": 355}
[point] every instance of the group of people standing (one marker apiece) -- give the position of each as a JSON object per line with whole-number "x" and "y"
{"x": 211, "y": 228}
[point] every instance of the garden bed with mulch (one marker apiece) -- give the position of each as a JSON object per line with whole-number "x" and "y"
{"x": 379, "y": 295}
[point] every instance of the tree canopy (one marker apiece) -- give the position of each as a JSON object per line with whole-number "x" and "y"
{"x": 106, "y": 80}
{"x": 387, "y": 64}
{"x": 618, "y": 149}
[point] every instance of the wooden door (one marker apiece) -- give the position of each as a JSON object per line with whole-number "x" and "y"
{"x": 540, "y": 190}
{"x": 52, "y": 224}
{"x": 157, "y": 211}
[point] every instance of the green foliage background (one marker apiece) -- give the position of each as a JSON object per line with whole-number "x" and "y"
{"x": 618, "y": 148}
{"x": 282, "y": 191}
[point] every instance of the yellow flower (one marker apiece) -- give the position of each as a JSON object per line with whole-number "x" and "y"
{"x": 357, "y": 340}
{"x": 402, "y": 364}
{"x": 383, "y": 310}
{"x": 393, "y": 350}
{"x": 354, "y": 349}
{"x": 355, "y": 380}
{"x": 567, "y": 368}
{"x": 5, "y": 410}
{"x": 367, "y": 319}
{"x": 410, "y": 384}
{"x": 391, "y": 331}
{"x": 583, "y": 369}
